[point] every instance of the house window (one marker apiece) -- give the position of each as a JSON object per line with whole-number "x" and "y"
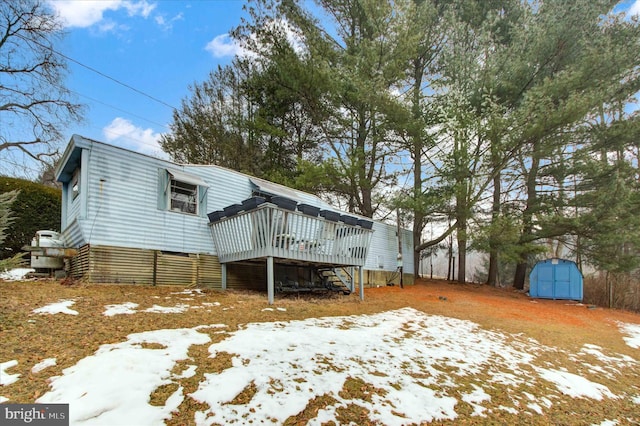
{"x": 75, "y": 185}
{"x": 182, "y": 192}
{"x": 184, "y": 197}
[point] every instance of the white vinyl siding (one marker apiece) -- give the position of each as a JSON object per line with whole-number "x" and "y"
{"x": 127, "y": 205}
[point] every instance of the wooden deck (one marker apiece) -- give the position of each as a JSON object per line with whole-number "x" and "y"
{"x": 272, "y": 233}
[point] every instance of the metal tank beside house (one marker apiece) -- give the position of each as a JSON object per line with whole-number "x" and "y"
{"x": 42, "y": 239}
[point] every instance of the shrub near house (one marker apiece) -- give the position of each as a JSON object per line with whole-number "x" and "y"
{"x": 36, "y": 207}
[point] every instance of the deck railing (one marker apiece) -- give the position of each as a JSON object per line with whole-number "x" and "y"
{"x": 272, "y": 231}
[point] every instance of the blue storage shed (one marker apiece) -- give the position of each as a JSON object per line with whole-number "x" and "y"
{"x": 556, "y": 279}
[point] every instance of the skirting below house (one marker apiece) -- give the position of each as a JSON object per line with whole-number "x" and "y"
{"x": 105, "y": 264}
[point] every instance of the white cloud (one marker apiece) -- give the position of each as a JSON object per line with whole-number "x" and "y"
{"x": 127, "y": 135}
{"x": 223, "y": 45}
{"x": 89, "y": 12}
{"x": 634, "y": 9}
{"x": 142, "y": 8}
{"x": 165, "y": 24}
{"x": 106, "y": 26}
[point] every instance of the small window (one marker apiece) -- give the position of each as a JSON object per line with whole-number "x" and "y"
{"x": 75, "y": 185}
{"x": 184, "y": 197}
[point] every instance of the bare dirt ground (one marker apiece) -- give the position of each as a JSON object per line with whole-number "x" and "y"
{"x": 566, "y": 325}
{"x": 561, "y": 323}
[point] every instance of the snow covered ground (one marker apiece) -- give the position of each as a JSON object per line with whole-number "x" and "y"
{"x": 16, "y": 274}
{"x": 632, "y": 332}
{"x": 416, "y": 367}
{"x": 60, "y": 307}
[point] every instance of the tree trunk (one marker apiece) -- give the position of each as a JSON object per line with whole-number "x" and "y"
{"x": 364, "y": 170}
{"x": 449, "y": 276}
{"x": 418, "y": 144}
{"x": 520, "y": 275}
{"x": 462, "y": 252}
{"x": 492, "y": 274}
{"x": 526, "y": 237}
{"x": 461, "y": 230}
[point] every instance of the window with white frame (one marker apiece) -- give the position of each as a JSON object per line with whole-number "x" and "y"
{"x": 184, "y": 197}
{"x": 75, "y": 184}
{"x": 182, "y": 192}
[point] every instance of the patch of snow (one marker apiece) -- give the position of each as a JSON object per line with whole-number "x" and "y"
{"x": 421, "y": 350}
{"x": 188, "y": 372}
{"x": 636, "y": 400}
{"x": 126, "y": 308}
{"x": 3, "y": 399}
{"x": 113, "y": 385}
{"x": 612, "y": 363}
{"x": 325, "y": 416}
{"x": 475, "y": 398}
{"x": 505, "y": 378}
{"x": 178, "y": 309}
{"x": 535, "y": 407}
{"x": 60, "y": 307}
{"x": 597, "y": 352}
{"x": 606, "y": 423}
{"x": 15, "y": 274}
{"x": 282, "y": 309}
{"x": 574, "y": 385}
{"x": 268, "y": 309}
{"x": 6, "y": 378}
{"x": 633, "y": 334}
{"x": 45, "y": 363}
{"x": 410, "y": 361}
{"x": 508, "y": 409}
{"x": 211, "y": 303}
{"x": 191, "y": 292}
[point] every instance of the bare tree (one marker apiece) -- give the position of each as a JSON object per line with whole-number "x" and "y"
{"x": 35, "y": 106}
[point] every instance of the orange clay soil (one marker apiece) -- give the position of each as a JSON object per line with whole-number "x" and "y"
{"x": 553, "y": 322}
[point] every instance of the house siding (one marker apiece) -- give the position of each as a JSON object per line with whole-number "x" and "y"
{"x": 122, "y": 207}
{"x": 383, "y": 252}
{"x": 118, "y": 208}
{"x": 73, "y": 235}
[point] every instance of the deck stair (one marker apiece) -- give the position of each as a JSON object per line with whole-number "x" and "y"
{"x": 336, "y": 279}
{"x": 328, "y": 279}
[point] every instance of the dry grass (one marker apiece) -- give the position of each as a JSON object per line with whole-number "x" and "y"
{"x": 30, "y": 338}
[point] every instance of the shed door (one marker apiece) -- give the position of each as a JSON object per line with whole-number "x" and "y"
{"x": 563, "y": 281}
{"x": 545, "y": 280}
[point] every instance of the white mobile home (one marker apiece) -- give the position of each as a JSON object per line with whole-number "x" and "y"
{"x": 139, "y": 219}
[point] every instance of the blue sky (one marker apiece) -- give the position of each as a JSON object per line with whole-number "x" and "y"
{"x": 156, "y": 47}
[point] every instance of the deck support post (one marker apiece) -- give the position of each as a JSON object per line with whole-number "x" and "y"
{"x": 352, "y": 279}
{"x": 270, "y": 279}
{"x": 224, "y": 275}
{"x": 361, "y": 278}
